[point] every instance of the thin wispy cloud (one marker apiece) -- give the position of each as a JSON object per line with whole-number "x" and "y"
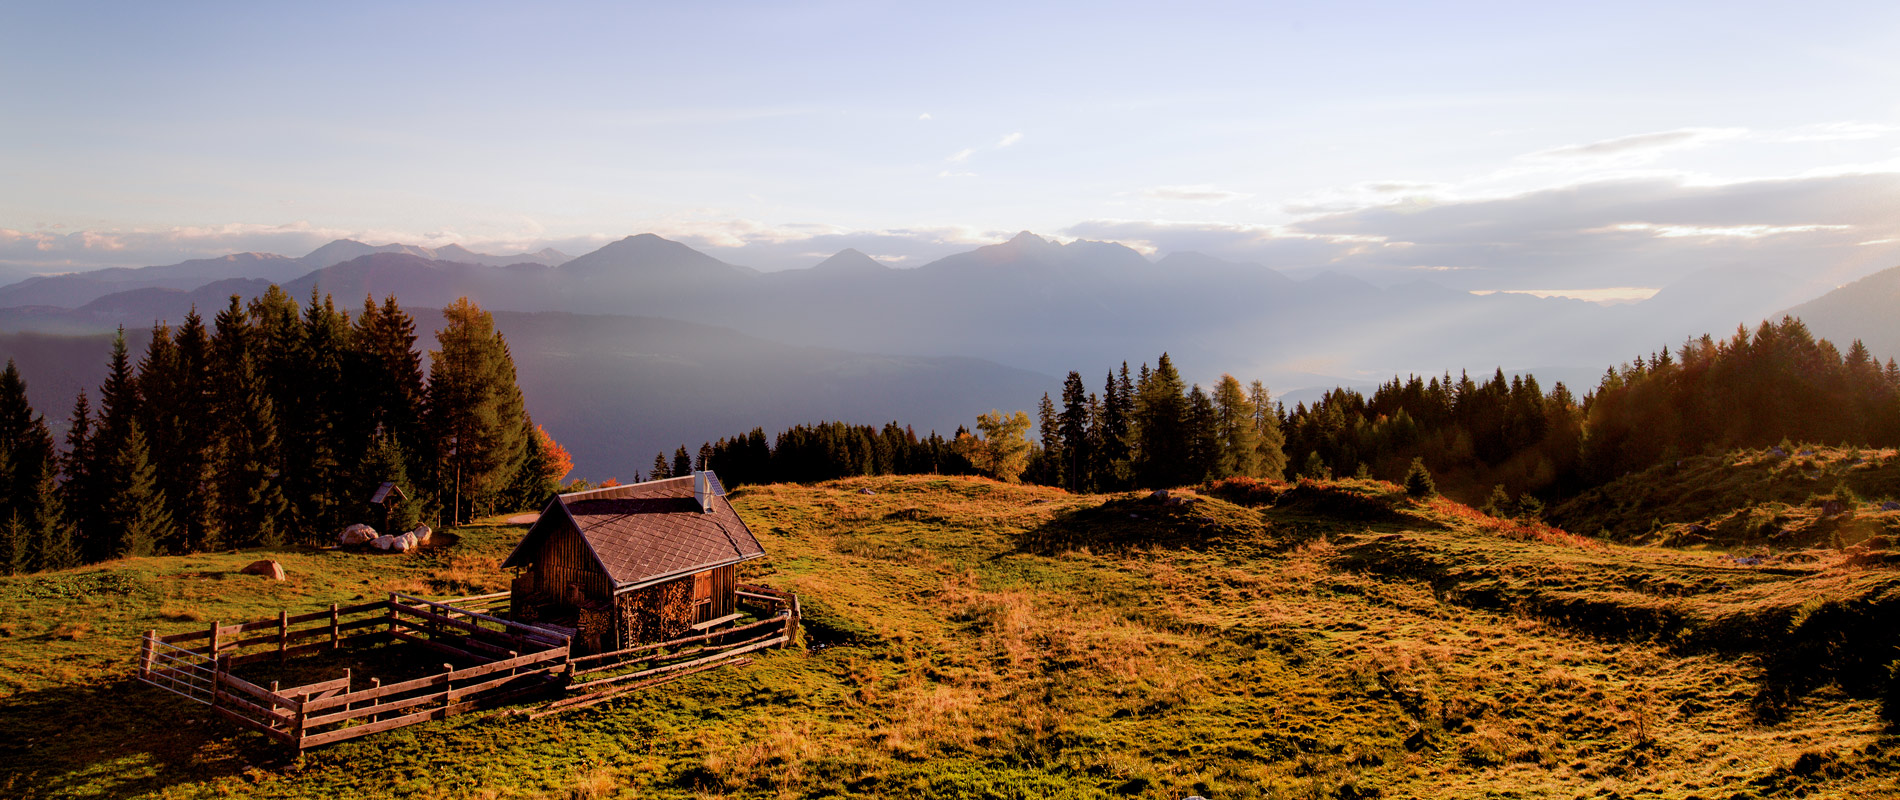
{"x": 1200, "y": 193}
{"x": 925, "y": 116}
{"x": 1641, "y": 145}
{"x": 961, "y": 156}
{"x": 1009, "y": 140}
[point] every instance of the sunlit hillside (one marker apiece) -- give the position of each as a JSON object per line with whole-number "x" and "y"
{"x": 966, "y": 638}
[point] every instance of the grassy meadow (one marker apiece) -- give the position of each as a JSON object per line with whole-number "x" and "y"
{"x": 967, "y": 638}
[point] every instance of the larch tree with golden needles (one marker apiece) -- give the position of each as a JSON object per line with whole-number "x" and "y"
{"x": 1001, "y": 451}
{"x": 476, "y": 412}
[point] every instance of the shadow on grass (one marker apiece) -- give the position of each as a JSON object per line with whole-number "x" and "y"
{"x": 119, "y": 739}
{"x": 1176, "y": 522}
{"x": 126, "y": 738}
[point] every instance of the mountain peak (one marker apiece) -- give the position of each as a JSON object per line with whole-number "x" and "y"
{"x": 850, "y": 261}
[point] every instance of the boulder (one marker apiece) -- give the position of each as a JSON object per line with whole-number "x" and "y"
{"x": 356, "y": 534}
{"x": 422, "y": 534}
{"x": 268, "y": 569}
{"x": 1159, "y": 496}
{"x": 404, "y": 543}
{"x": 383, "y": 542}
{"x": 1890, "y": 505}
{"x": 866, "y": 490}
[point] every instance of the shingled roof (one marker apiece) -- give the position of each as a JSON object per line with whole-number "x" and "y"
{"x": 644, "y": 533}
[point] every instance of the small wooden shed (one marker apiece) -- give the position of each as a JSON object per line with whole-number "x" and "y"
{"x": 633, "y": 564}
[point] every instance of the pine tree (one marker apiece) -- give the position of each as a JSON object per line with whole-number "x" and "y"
{"x": 475, "y": 410}
{"x": 682, "y": 462}
{"x": 190, "y": 479}
{"x": 318, "y": 431}
{"x": 135, "y": 507}
{"x": 660, "y": 470}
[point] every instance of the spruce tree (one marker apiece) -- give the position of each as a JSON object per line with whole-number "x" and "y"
{"x": 248, "y": 501}
{"x": 1202, "y": 430}
{"x": 51, "y": 532}
{"x": 1051, "y": 467}
{"x": 81, "y": 490}
{"x": 385, "y": 462}
{"x": 1072, "y": 429}
{"x": 660, "y": 470}
{"x": 1161, "y": 419}
{"x": 1418, "y": 480}
{"x": 135, "y": 507}
{"x": 14, "y": 558}
{"x": 682, "y": 462}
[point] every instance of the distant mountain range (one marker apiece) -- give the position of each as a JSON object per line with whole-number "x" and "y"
{"x": 960, "y": 335}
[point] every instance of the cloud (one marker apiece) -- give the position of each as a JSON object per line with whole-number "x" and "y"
{"x": 1606, "y": 234}
{"x": 1833, "y": 132}
{"x": 1009, "y": 140}
{"x": 925, "y": 116}
{"x": 961, "y": 156}
{"x": 1201, "y": 193}
{"x": 1642, "y": 145}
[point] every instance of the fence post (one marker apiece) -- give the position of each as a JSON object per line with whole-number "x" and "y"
{"x": 283, "y": 636}
{"x": 212, "y": 649}
{"x": 148, "y": 649}
{"x": 448, "y": 673}
{"x": 336, "y": 628}
{"x": 392, "y": 615}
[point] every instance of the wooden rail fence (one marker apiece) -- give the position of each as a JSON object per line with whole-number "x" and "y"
{"x": 504, "y": 661}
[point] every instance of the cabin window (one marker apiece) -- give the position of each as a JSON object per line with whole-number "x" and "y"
{"x": 702, "y": 596}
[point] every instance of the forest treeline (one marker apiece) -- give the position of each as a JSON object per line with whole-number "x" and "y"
{"x": 274, "y": 423}
{"x": 1708, "y": 395}
{"x": 271, "y": 425}
{"x": 1476, "y": 438}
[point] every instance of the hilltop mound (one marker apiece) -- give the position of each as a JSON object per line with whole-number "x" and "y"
{"x": 1780, "y": 499}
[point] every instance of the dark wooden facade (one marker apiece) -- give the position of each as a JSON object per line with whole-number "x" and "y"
{"x": 564, "y": 579}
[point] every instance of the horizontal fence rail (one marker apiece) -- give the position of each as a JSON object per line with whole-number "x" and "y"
{"x": 503, "y": 661}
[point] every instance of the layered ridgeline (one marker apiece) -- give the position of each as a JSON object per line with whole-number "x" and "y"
{"x": 1029, "y": 303}
{"x": 270, "y": 425}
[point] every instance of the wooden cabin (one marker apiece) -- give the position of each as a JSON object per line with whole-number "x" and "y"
{"x": 628, "y": 565}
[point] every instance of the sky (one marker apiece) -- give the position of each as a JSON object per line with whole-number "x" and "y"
{"x": 1601, "y": 150}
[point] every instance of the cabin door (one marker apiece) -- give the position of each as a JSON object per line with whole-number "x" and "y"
{"x": 702, "y": 596}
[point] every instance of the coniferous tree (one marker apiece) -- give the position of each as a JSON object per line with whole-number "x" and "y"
{"x": 475, "y": 410}
{"x": 1202, "y": 430}
{"x": 14, "y": 558}
{"x": 385, "y": 462}
{"x": 246, "y": 499}
{"x": 1418, "y": 480}
{"x": 1236, "y": 430}
{"x": 1161, "y": 418}
{"x": 80, "y": 491}
{"x": 135, "y": 506}
{"x": 682, "y": 462}
{"x": 660, "y": 470}
{"x": 1072, "y": 428}
{"x": 1051, "y": 468}
{"x": 1271, "y": 438}
{"x": 56, "y": 546}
